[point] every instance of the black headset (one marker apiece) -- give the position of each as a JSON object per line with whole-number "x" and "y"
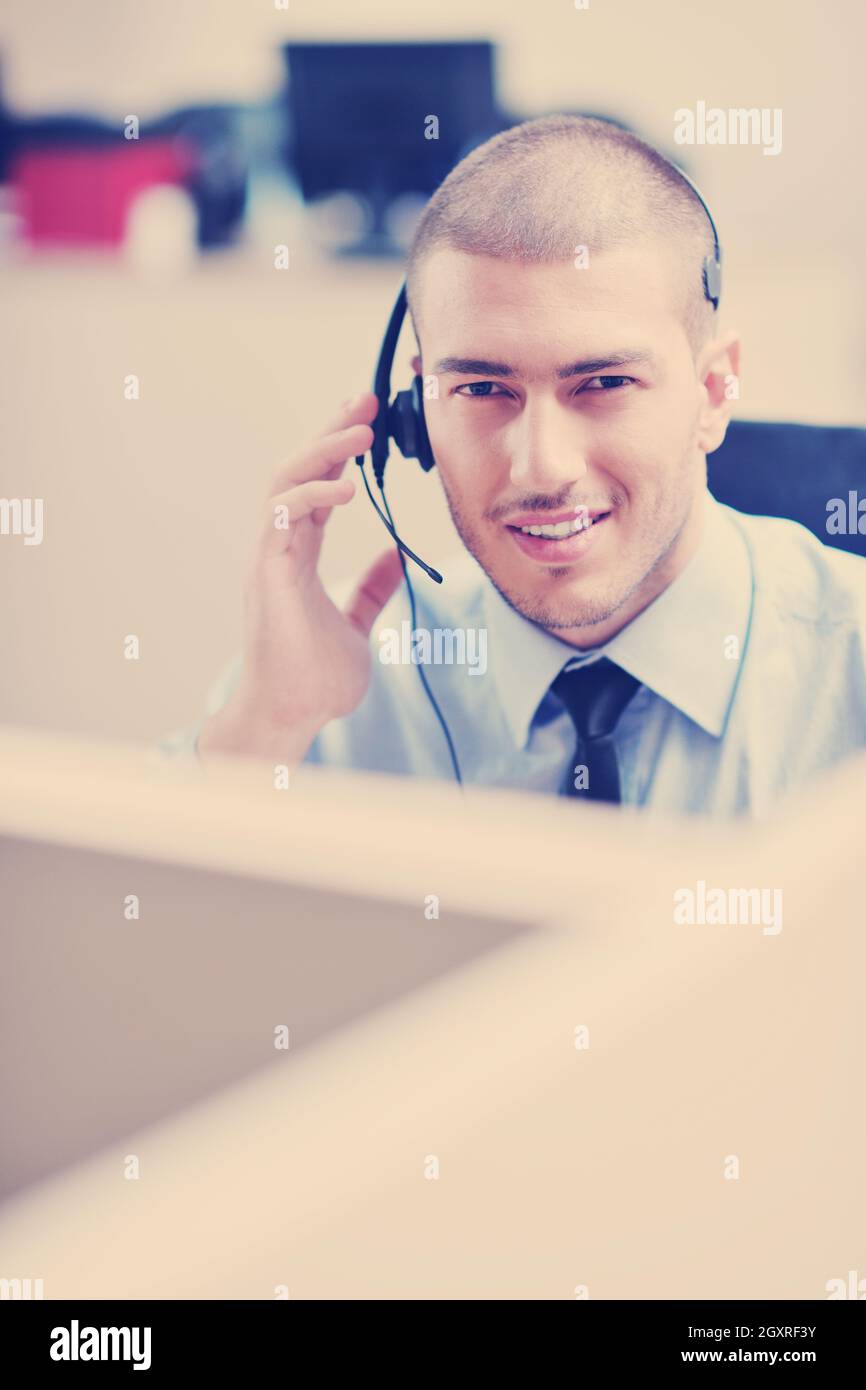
{"x": 402, "y": 419}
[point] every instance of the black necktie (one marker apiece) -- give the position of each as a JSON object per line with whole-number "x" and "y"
{"x": 595, "y": 697}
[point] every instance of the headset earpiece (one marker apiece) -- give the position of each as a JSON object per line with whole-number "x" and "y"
{"x": 402, "y": 420}
{"x": 408, "y": 427}
{"x": 713, "y": 278}
{"x": 712, "y": 268}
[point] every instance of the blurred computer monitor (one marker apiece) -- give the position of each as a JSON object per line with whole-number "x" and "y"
{"x": 360, "y": 116}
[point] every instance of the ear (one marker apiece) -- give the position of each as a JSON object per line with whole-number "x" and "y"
{"x": 718, "y": 369}
{"x": 416, "y": 365}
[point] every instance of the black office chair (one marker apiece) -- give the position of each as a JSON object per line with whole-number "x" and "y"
{"x": 792, "y": 471}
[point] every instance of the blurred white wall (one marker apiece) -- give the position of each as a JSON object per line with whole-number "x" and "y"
{"x": 150, "y": 506}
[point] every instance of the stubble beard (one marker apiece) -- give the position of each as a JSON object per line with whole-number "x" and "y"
{"x": 571, "y": 612}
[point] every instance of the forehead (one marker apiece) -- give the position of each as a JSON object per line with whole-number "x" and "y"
{"x": 525, "y": 310}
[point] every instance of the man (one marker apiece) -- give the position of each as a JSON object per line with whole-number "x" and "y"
{"x": 655, "y": 648}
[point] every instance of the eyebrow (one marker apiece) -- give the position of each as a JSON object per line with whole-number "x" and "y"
{"x": 482, "y": 366}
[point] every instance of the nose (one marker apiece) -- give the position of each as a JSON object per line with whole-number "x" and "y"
{"x": 547, "y": 449}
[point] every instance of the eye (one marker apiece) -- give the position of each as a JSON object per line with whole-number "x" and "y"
{"x": 481, "y": 389}
{"x": 608, "y": 383}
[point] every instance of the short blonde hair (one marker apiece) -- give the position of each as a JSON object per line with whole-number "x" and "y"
{"x": 541, "y": 189}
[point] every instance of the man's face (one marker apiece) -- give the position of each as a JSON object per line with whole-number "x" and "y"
{"x": 565, "y": 395}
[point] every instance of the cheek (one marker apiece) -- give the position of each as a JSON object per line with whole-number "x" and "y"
{"x": 647, "y": 452}
{"x": 457, "y": 441}
{"x": 471, "y": 469}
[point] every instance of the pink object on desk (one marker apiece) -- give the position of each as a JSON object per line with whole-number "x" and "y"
{"x": 82, "y": 194}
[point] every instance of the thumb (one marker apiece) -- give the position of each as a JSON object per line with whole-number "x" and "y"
{"x": 374, "y": 591}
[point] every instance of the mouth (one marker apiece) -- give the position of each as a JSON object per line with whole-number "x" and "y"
{"x": 557, "y": 540}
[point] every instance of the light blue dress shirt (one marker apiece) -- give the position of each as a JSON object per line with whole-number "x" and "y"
{"x": 752, "y": 666}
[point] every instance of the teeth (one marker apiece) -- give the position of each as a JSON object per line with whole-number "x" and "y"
{"x": 562, "y": 528}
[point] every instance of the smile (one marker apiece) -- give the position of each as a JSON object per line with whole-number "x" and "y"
{"x": 562, "y": 528}
{"x": 561, "y": 541}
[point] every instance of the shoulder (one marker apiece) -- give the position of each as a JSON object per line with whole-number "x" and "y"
{"x": 800, "y": 577}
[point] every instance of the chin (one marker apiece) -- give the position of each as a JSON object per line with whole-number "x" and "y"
{"x": 557, "y": 604}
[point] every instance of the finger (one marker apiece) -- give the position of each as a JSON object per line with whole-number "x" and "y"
{"x": 374, "y": 591}
{"x": 365, "y": 406}
{"x": 284, "y": 511}
{"x": 320, "y": 515}
{"x": 358, "y": 410}
{"x": 324, "y": 458}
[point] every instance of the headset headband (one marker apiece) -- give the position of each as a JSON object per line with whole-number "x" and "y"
{"x": 712, "y": 264}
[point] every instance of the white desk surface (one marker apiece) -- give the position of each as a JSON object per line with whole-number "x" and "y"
{"x": 559, "y": 1168}
{"x": 367, "y": 834}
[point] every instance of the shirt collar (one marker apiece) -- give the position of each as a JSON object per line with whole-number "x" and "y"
{"x": 686, "y": 646}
